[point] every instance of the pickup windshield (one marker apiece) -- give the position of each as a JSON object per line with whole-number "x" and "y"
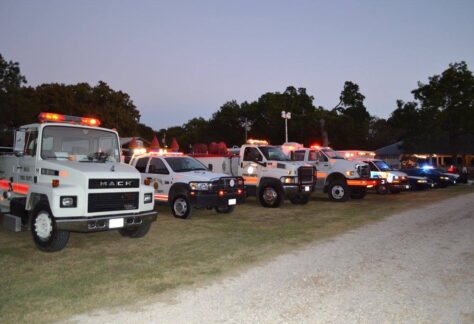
{"x": 185, "y": 164}
{"x": 332, "y": 154}
{"x": 273, "y": 153}
{"x": 80, "y": 144}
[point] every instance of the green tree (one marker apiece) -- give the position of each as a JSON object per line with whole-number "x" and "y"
{"x": 10, "y": 75}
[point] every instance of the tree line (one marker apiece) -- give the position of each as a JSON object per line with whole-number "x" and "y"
{"x": 442, "y": 111}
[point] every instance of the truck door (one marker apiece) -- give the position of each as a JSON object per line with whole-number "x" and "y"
{"x": 250, "y": 167}
{"x": 26, "y": 167}
{"x": 323, "y": 168}
{"x": 160, "y": 178}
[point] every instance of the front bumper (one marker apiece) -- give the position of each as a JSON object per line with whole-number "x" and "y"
{"x": 298, "y": 189}
{"x": 102, "y": 223}
{"x": 202, "y": 200}
{"x": 397, "y": 184}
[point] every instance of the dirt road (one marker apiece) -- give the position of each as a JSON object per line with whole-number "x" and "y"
{"x": 417, "y": 266}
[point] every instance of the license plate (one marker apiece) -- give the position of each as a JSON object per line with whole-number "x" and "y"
{"x": 116, "y": 223}
{"x": 307, "y": 188}
{"x": 232, "y": 202}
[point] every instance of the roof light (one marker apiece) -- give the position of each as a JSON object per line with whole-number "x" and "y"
{"x": 257, "y": 142}
{"x": 53, "y": 117}
{"x": 315, "y": 146}
{"x": 427, "y": 167}
{"x": 139, "y": 150}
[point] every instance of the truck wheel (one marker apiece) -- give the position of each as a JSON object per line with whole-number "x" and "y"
{"x": 224, "y": 209}
{"x": 136, "y": 232}
{"x": 299, "y": 199}
{"x": 338, "y": 191}
{"x": 382, "y": 189}
{"x": 270, "y": 197}
{"x": 181, "y": 207}
{"x": 43, "y": 229}
{"x": 358, "y": 193}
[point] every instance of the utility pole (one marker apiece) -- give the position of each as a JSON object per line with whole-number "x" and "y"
{"x": 246, "y": 124}
{"x": 286, "y": 115}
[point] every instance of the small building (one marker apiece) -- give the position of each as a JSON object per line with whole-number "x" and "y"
{"x": 397, "y": 156}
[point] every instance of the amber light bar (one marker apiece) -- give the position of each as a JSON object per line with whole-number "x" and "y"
{"x": 53, "y": 117}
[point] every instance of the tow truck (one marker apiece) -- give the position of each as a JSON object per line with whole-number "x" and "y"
{"x": 268, "y": 173}
{"x": 64, "y": 175}
{"x": 183, "y": 182}
{"x": 391, "y": 180}
{"x": 339, "y": 178}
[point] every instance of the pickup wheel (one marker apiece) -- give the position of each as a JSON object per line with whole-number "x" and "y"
{"x": 299, "y": 199}
{"x": 136, "y": 232}
{"x": 181, "y": 207}
{"x": 270, "y": 196}
{"x": 43, "y": 229}
{"x": 224, "y": 209}
{"x": 358, "y": 193}
{"x": 382, "y": 189}
{"x": 338, "y": 191}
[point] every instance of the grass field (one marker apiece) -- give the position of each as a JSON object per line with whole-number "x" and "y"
{"x": 105, "y": 270}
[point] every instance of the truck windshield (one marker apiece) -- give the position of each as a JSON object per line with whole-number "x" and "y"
{"x": 273, "y": 153}
{"x": 332, "y": 154}
{"x": 382, "y": 165}
{"x": 184, "y": 164}
{"x": 79, "y": 144}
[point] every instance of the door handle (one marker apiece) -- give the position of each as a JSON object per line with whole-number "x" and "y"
{"x": 19, "y": 167}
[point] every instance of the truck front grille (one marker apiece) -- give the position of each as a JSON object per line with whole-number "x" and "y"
{"x": 112, "y": 201}
{"x": 364, "y": 171}
{"x": 306, "y": 175}
{"x": 224, "y": 184}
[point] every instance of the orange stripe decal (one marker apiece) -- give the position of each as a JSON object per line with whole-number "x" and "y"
{"x": 361, "y": 182}
{"x": 251, "y": 180}
{"x": 19, "y": 188}
{"x": 161, "y": 197}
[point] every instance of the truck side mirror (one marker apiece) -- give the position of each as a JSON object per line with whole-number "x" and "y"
{"x": 210, "y": 167}
{"x": 19, "y": 146}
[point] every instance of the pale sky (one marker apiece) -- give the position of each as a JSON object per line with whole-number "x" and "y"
{"x": 184, "y": 59}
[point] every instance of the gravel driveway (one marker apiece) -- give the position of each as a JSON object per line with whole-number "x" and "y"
{"x": 417, "y": 266}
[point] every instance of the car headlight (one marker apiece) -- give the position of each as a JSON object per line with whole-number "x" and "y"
{"x": 350, "y": 173}
{"x": 201, "y": 186}
{"x": 148, "y": 198}
{"x": 68, "y": 201}
{"x": 288, "y": 180}
{"x": 421, "y": 181}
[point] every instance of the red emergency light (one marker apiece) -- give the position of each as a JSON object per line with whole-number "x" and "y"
{"x": 315, "y": 146}
{"x": 53, "y": 117}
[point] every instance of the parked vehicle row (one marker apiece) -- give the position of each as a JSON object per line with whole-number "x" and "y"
{"x": 66, "y": 174}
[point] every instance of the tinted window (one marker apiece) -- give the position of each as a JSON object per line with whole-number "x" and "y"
{"x": 298, "y": 155}
{"x": 273, "y": 153}
{"x": 31, "y": 140}
{"x": 184, "y": 164}
{"x": 382, "y": 165}
{"x": 141, "y": 164}
{"x": 372, "y": 167}
{"x": 252, "y": 154}
{"x": 313, "y": 156}
{"x": 321, "y": 157}
{"x": 157, "y": 166}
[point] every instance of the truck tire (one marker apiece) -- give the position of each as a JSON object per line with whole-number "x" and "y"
{"x": 270, "y": 196}
{"x": 299, "y": 199}
{"x": 136, "y": 232}
{"x": 338, "y": 191}
{"x": 382, "y": 189}
{"x": 358, "y": 193}
{"x": 224, "y": 209}
{"x": 181, "y": 207}
{"x": 43, "y": 229}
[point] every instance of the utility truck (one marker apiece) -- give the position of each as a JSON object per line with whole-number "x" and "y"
{"x": 339, "y": 178}
{"x": 268, "y": 173}
{"x": 390, "y": 180}
{"x": 64, "y": 175}
{"x": 183, "y": 182}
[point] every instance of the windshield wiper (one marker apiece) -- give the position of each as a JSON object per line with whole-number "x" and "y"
{"x": 98, "y": 156}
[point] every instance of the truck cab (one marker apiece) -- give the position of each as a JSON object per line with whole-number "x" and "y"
{"x": 268, "y": 173}
{"x": 65, "y": 176}
{"x": 183, "y": 182}
{"x": 339, "y": 178}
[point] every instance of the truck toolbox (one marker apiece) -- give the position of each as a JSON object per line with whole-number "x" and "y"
{"x": 12, "y": 222}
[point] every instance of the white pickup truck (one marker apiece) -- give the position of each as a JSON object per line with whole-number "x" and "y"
{"x": 267, "y": 172}
{"x": 183, "y": 183}
{"x": 64, "y": 175}
{"x": 339, "y": 178}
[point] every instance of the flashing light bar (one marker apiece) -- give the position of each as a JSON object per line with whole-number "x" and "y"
{"x": 164, "y": 152}
{"x": 53, "y": 117}
{"x": 315, "y": 146}
{"x": 427, "y": 167}
{"x": 139, "y": 150}
{"x": 257, "y": 142}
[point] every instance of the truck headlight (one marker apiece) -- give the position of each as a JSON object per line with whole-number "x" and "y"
{"x": 148, "y": 198}
{"x": 68, "y": 201}
{"x": 288, "y": 180}
{"x": 350, "y": 173}
{"x": 201, "y": 186}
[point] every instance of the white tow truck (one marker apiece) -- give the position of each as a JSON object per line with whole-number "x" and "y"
{"x": 183, "y": 183}
{"x": 339, "y": 178}
{"x": 392, "y": 181}
{"x": 267, "y": 172}
{"x": 64, "y": 175}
